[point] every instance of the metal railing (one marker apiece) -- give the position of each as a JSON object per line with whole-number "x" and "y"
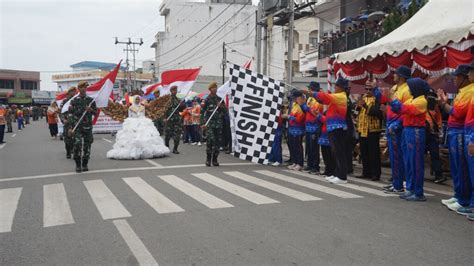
{"x": 348, "y": 42}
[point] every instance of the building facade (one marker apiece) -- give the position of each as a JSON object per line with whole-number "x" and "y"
{"x": 195, "y": 33}
{"x": 16, "y": 86}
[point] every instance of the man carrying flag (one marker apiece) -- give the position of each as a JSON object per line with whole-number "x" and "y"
{"x": 83, "y": 107}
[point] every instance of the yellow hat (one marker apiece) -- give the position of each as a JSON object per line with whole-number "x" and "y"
{"x": 82, "y": 84}
{"x": 212, "y": 85}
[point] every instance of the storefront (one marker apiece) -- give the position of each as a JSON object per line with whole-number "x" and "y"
{"x": 43, "y": 97}
{"x": 20, "y": 98}
{"x": 4, "y": 95}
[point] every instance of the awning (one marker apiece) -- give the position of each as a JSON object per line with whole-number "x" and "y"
{"x": 19, "y": 100}
{"x": 5, "y": 93}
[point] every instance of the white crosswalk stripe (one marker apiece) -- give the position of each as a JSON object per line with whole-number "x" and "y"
{"x": 309, "y": 185}
{"x": 105, "y": 201}
{"x": 274, "y": 187}
{"x": 234, "y": 189}
{"x": 351, "y": 186}
{"x": 9, "y": 198}
{"x": 56, "y": 210}
{"x": 196, "y": 193}
{"x": 155, "y": 199}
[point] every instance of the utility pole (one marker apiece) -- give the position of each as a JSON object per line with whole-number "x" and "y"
{"x": 224, "y": 61}
{"x": 258, "y": 37}
{"x": 265, "y": 50}
{"x": 289, "y": 78}
{"x": 130, "y": 47}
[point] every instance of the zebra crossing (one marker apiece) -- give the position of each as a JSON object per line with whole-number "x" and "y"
{"x": 57, "y": 210}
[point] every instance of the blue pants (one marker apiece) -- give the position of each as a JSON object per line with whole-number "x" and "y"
{"x": 414, "y": 146}
{"x": 458, "y": 165}
{"x": 275, "y": 154}
{"x": 312, "y": 150}
{"x": 470, "y": 163}
{"x": 296, "y": 149}
{"x": 2, "y": 132}
{"x": 20, "y": 123}
{"x": 394, "y": 142}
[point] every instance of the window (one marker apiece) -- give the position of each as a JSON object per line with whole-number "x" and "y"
{"x": 6, "y": 84}
{"x": 29, "y": 85}
{"x": 313, "y": 38}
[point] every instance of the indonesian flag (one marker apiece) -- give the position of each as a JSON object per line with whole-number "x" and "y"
{"x": 224, "y": 90}
{"x": 61, "y": 97}
{"x": 147, "y": 90}
{"x": 99, "y": 91}
{"x": 182, "y": 78}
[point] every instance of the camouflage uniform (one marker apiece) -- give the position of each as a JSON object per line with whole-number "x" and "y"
{"x": 83, "y": 137}
{"x": 214, "y": 128}
{"x": 159, "y": 124}
{"x": 67, "y": 119}
{"x": 174, "y": 125}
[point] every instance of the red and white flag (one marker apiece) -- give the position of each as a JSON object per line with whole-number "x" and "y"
{"x": 61, "y": 97}
{"x": 182, "y": 78}
{"x": 99, "y": 91}
{"x": 148, "y": 89}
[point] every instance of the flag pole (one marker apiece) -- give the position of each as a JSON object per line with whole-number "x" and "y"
{"x": 210, "y": 117}
{"x": 172, "y": 113}
{"x": 82, "y": 117}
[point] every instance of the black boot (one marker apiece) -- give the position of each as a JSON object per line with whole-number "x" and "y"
{"x": 214, "y": 159}
{"x": 78, "y": 166}
{"x": 68, "y": 153}
{"x": 167, "y": 142}
{"x": 175, "y": 149}
{"x": 208, "y": 160}
{"x": 84, "y": 166}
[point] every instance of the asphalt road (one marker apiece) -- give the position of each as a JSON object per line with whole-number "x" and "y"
{"x": 176, "y": 211}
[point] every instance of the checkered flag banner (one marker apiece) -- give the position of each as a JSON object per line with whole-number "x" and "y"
{"x": 254, "y": 108}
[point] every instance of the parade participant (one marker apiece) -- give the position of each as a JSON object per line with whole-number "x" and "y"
{"x": 369, "y": 127}
{"x": 196, "y": 120}
{"x": 214, "y": 126}
{"x": 158, "y": 122}
{"x": 296, "y": 131}
{"x": 19, "y": 118}
{"x": 337, "y": 127}
{"x": 52, "y": 112}
{"x": 434, "y": 120}
{"x": 131, "y": 143}
{"x": 276, "y": 158}
{"x": 187, "y": 122}
{"x": 469, "y": 148}
{"x": 9, "y": 119}
{"x": 3, "y": 114}
{"x": 312, "y": 109}
{"x": 457, "y": 116}
{"x": 83, "y": 107}
{"x": 174, "y": 124}
{"x": 68, "y": 123}
{"x": 400, "y": 92}
{"x": 323, "y": 141}
{"x": 26, "y": 115}
{"x": 414, "y": 137}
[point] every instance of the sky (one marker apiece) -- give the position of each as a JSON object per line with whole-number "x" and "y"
{"x": 49, "y": 36}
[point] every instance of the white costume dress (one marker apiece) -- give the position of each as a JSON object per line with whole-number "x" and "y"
{"x": 138, "y": 138}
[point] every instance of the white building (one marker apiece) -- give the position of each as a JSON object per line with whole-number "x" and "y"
{"x": 195, "y": 32}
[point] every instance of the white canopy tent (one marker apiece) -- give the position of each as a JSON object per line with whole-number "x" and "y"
{"x": 439, "y": 22}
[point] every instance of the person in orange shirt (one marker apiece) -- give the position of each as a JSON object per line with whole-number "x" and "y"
{"x": 195, "y": 120}
{"x": 19, "y": 118}
{"x": 3, "y": 119}
{"x": 52, "y": 114}
{"x": 187, "y": 122}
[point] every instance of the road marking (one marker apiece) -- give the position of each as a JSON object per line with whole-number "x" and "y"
{"x": 2, "y": 145}
{"x": 234, "y": 189}
{"x": 114, "y": 170}
{"x": 105, "y": 201}
{"x": 153, "y": 163}
{"x": 9, "y": 198}
{"x": 108, "y": 140}
{"x": 14, "y": 135}
{"x": 313, "y": 186}
{"x": 155, "y": 199}
{"x": 274, "y": 187}
{"x": 196, "y": 193}
{"x": 137, "y": 247}
{"x": 56, "y": 210}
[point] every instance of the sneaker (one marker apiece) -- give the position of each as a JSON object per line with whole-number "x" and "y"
{"x": 414, "y": 197}
{"x": 313, "y": 172}
{"x": 388, "y": 186}
{"x": 465, "y": 210}
{"x": 328, "y": 178}
{"x": 440, "y": 180}
{"x": 298, "y": 167}
{"x": 470, "y": 217}
{"x": 199, "y": 144}
{"x": 306, "y": 169}
{"x": 393, "y": 190}
{"x": 194, "y": 143}
{"x": 406, "y": 195}
{"x": 276, "y": 164}
{"x": 291, "y": 166}
{"x": 337, "y": 181}
{"x": 446, "y": 202}
{"x": 454, "y": 206}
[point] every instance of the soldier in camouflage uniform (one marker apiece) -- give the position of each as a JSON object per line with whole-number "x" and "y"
{"x": 214, "y": 128}
{"x": 174, "y": 125}
{"x": 83, "y": 137}
{"x": 159, "y": 123}
{"x": 66, "y": 119}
